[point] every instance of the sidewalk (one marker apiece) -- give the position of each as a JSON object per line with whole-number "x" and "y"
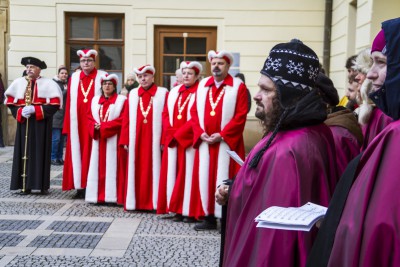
{"x": 56, "y": 230}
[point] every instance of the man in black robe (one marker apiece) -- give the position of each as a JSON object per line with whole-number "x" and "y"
{"x": 32, "y": 100}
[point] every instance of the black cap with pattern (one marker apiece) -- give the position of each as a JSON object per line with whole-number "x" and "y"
{"x": 33, "y": 61}
{"x": 294, "y": 68}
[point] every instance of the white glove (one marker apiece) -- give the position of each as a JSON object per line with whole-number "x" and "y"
{"x": 27, "y": 111}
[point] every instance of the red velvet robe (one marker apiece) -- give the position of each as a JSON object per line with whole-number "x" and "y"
{"x": 231, "y": 111}
{"x": 144, "y": 141}
{"x": 105, "y": 158}
{"x": 79, "y": 142}
{"x": 177, "y": 162}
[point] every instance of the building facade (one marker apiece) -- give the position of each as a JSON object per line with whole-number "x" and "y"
{"x": 131, "y": 33}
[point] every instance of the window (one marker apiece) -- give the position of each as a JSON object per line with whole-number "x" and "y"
{"x": 176, "y": 44}
{"x": 102, "y": 32}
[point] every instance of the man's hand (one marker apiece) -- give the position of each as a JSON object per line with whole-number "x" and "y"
{"x": 97, "y": 126}
{"x": 221, "y": 195}
{"x": 215, "y": 138}
{"x": 205, "y": 137}
{"x": 27, "y": 111}
{"x": 126, "y": 147}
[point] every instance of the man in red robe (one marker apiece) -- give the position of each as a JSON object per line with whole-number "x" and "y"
{"x": 105, "y": 120}
{"x": 219, "y": 117}
{"x": 82, "y": 86}
{"x": 141, "y": 137}
{"x": 32, "y": 100}
{"x": 178, "y": 156}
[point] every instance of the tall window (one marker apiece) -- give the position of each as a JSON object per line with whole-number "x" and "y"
{"x": 102, "y": 32}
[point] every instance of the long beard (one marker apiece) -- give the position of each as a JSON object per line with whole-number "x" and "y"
{"x": 269, "y": 119}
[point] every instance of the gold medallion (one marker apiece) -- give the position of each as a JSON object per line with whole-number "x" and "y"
{"x": 212, "y": 113}
{"x": 85, "y": 100}
{"x": 179, "y": 116}
{"x": 144, "y": 121}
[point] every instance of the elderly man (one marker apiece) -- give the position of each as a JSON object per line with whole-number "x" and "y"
{"x": 32, "y": 100}
{"x": 177, "y": 164}
{"x": 219, "y": 117}
{"x": 141, "y": 137}
{"x": 82, "y": 86}
{"x": 294, "y": 163}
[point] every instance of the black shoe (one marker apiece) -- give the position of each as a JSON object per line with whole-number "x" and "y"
{"x": 44, "y": 192}
{"x": 177, "y": 218}
{"x": 60, "y": 162}
{"x": 80, "y": 194}
{"x": 189, "y": 220}
{"x": 24, "y": 192}
{"x": 206, "y": 225}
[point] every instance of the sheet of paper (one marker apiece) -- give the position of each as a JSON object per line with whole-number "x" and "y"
{"x": 235, "y": 157}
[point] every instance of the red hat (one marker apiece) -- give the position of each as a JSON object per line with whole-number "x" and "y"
{"x": 109, "y": 77}
{"x": 87, "y": 53}
{"x": 221, "y": 54}
{"x": 145, "y": 69}
{"x": 196, "y": 66}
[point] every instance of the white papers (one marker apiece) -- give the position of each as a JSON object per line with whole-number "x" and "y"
{"x": 302, "y": 218}
{"x": 235, "y": 157}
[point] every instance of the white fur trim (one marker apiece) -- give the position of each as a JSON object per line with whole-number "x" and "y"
{"x": 228, "y": 111}
{"x": 111, "y": 156}
{"x": 109, "y": 77}
{"x": 46, "y": 88}
{"x": 191, "y": 65}
{"x": 74, "y": 134}
{"x": 221, "y": 54}
{"x": 90, "y": 52}
{"x": 190, "y": 152}
{"x": 158, "y": 106}
{"x": 144, "y": 68}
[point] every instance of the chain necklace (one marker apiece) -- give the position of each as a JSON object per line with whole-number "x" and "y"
{"x": 212, "y": 103}
{"x": 86, "y": 92}
{"x": 101, "y": 114}
{"x": 145, "y": 113}
{"x": 181, "y": 108}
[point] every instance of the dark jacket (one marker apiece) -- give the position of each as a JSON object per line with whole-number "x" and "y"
{"x": 58, "y": 117}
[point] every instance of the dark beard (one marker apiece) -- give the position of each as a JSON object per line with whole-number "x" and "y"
{"x": 269, "y": 119}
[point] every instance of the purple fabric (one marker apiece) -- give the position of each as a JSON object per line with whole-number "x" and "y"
{"x": 347, "y": 147}
{"x": 377, "y": 122}
{"x": 379, "y": 42}
{"x": 297, "y": 168}
{"x": 368, "y": 234}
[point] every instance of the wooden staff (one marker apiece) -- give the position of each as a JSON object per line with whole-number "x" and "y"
{"x": 28, "y": 101}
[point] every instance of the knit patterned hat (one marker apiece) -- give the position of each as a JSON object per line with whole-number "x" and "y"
{"x": 294, "y": 68}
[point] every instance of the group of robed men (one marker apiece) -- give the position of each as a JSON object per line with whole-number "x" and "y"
{"x": 294, "y": 163}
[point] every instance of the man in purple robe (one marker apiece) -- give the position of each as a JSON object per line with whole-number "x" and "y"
{"x": 361, "y": 227}
{"x": 293, "y": 164}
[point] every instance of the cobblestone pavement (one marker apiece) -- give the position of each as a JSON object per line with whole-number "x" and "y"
{"x": 56, "y": 230}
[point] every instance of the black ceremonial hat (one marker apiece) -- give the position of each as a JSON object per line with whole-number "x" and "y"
{"x": 33, "y": 61}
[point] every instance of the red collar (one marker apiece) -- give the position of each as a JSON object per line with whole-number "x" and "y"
{"x": 227, "y": 81}
{"x": 152, "y": 90}
{"x": 191, "y": 89}
{"x": 92, "y": 74}
{"x": 111, "y": 99}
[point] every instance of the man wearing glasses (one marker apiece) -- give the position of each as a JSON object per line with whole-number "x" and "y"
{"x": 82, "y": 87}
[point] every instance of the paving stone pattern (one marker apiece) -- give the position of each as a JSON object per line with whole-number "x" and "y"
{"x": 57, "y": 230}
{"x": 80, "y": 227}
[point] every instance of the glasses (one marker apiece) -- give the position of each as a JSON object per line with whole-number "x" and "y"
{"x": 86, "y": 60}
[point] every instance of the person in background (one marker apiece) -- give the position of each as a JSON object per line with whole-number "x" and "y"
{"x": 32, "y": 100}
{"x": 219, "y": 117}
{"x": 179, "y": 78}
{"x": 105, "y": 120}
{"x": 83, "y": 85}
{"x": 142, "y": 138}
{"x": 241, "y": 77}
{"x": 350, "y": 62}
{"x": 130, "y": 84}
{"x": 178, "y": 157}
{"x": 57, "y": 138}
